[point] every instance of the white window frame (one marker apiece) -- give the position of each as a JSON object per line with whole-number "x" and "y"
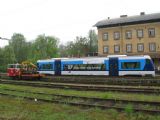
{"x": 140, "y": 47}
{"x": 128, "y": 48}
{"x": 151, "y": 32}
{"x": 129, "y": 34}
{"x": 105, "y": 36}
{"x": 105, "y": 49}
{"x": 116, "y": 48}
{"x": 152, "y": 47}
{"x": 116, "y": 35}
{"x": 140, "y": 33}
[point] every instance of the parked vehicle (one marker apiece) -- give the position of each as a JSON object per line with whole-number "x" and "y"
{"x": 23, "y": 70}
{"x": 116, "y": 65}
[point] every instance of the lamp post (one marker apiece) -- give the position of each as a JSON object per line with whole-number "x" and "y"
{"x": 5, "y": 39}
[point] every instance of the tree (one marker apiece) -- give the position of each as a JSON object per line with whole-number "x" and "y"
{"x": 6, "y": 57}
{"x": 44, "y": 47}
{"x": 19, "y": 45}
{"x": 93, "y": 41}
{"x": 63, "y": 50}
{"x": 81, "y": 46}
{"x": 75, "y": 49}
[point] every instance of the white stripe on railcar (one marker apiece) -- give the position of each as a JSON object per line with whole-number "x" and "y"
{"x": 85, "y": 73}
{"x": 143, "y": 73}
{"x": 134, "y": 57}
{"x": 47, "y": 72}
{"x": 44, "y": 61}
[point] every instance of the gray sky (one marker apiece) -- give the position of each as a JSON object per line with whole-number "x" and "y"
{"x": 64, "y": 19}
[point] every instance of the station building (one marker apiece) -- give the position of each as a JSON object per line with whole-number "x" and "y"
{"x": 130, "y": 35}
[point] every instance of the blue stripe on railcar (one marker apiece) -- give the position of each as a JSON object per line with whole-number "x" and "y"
{"x": 141, "y": 67}
{"x": 149, "y": 66}
{"x": 106, "y": 62}
{"x": 70, "y": 63}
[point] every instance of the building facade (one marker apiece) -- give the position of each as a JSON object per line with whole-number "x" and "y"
{"x": 135, "y": 35}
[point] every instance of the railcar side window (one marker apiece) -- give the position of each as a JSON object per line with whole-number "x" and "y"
{"x": 84, "y": 67}
{"x": 47, "y": 66}
{"x": 130, "y": 65}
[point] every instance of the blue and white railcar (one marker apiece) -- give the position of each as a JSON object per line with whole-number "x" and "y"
{"x": 50, "y": 66}
{"x": 136, "y": 65}
{"x": 46, "y": 66}
{"x": 111, "y": 66}
{"x": 85, "y": 66}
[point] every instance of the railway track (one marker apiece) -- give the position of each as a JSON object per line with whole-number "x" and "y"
{"x": 125, "y": 80}
{"x": 109, "y": 81}
{"x": 120, "y": 105}
{"x": 89, "y": 87}
{"x": 133, "y": 81}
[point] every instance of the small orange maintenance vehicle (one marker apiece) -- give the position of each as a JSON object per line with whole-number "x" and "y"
{"x": 25, "y": 70}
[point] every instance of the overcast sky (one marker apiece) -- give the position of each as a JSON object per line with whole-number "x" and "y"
{"x": 64, "y": 19}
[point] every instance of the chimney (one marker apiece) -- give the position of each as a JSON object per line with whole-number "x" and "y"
{"x": 142, "y": 13}
{"x": 123, "y": 16}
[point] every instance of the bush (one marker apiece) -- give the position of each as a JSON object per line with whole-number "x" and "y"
{"x": 129, "y": 109}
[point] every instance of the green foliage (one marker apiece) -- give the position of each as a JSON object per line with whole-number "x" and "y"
{"x": 13, "y": 109}
{"x": 6, "y": 57}
{"x": 114, "y": 114}
{"x": 93, "y": 41}
{"x": 19, "y": 50}
{"x": 81, "y": 46}
{"x": 129, "y": 109}
{"x": 19, "y": 45}
{"x": 45, "y": 47}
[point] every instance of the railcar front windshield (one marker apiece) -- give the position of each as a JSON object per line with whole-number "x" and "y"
{"x": 11, "y": 66}
{"x": 14, "y": 66}
{"x": 18, "y": 66}
{"x": 150, "y": 63}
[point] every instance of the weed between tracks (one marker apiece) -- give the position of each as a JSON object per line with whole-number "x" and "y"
{"x": 106, "y": 95}
{"x": 75, "y": 100}
{"x": 19, "y": 109}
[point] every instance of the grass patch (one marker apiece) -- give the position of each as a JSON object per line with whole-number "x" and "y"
{"x": 107, "y": 95}
{"x": 19, "y": 109}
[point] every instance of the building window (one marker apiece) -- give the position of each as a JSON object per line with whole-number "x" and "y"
{"x": 152, "y": 47}
{"x": 116, "y": 35}
{"x": 128, "y": 48}
{"x": 116, "y": 48}
{"x": 106, "y": 49}
{"x": 128, "y": 34}
{"x": 151, "y": 32}
{"x": 140, "y": 47}
{"x": 105, "y": 36}
{"x": 140, "y": 33}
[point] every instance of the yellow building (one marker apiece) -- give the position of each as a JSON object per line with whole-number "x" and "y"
{"x": 134, "y": 35}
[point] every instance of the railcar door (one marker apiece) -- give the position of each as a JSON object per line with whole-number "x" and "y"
{"x": 57, "y": 67}
{"x": 113, "y": 66}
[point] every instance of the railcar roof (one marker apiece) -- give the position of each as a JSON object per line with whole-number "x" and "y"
{"x": 97, "y": 58}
